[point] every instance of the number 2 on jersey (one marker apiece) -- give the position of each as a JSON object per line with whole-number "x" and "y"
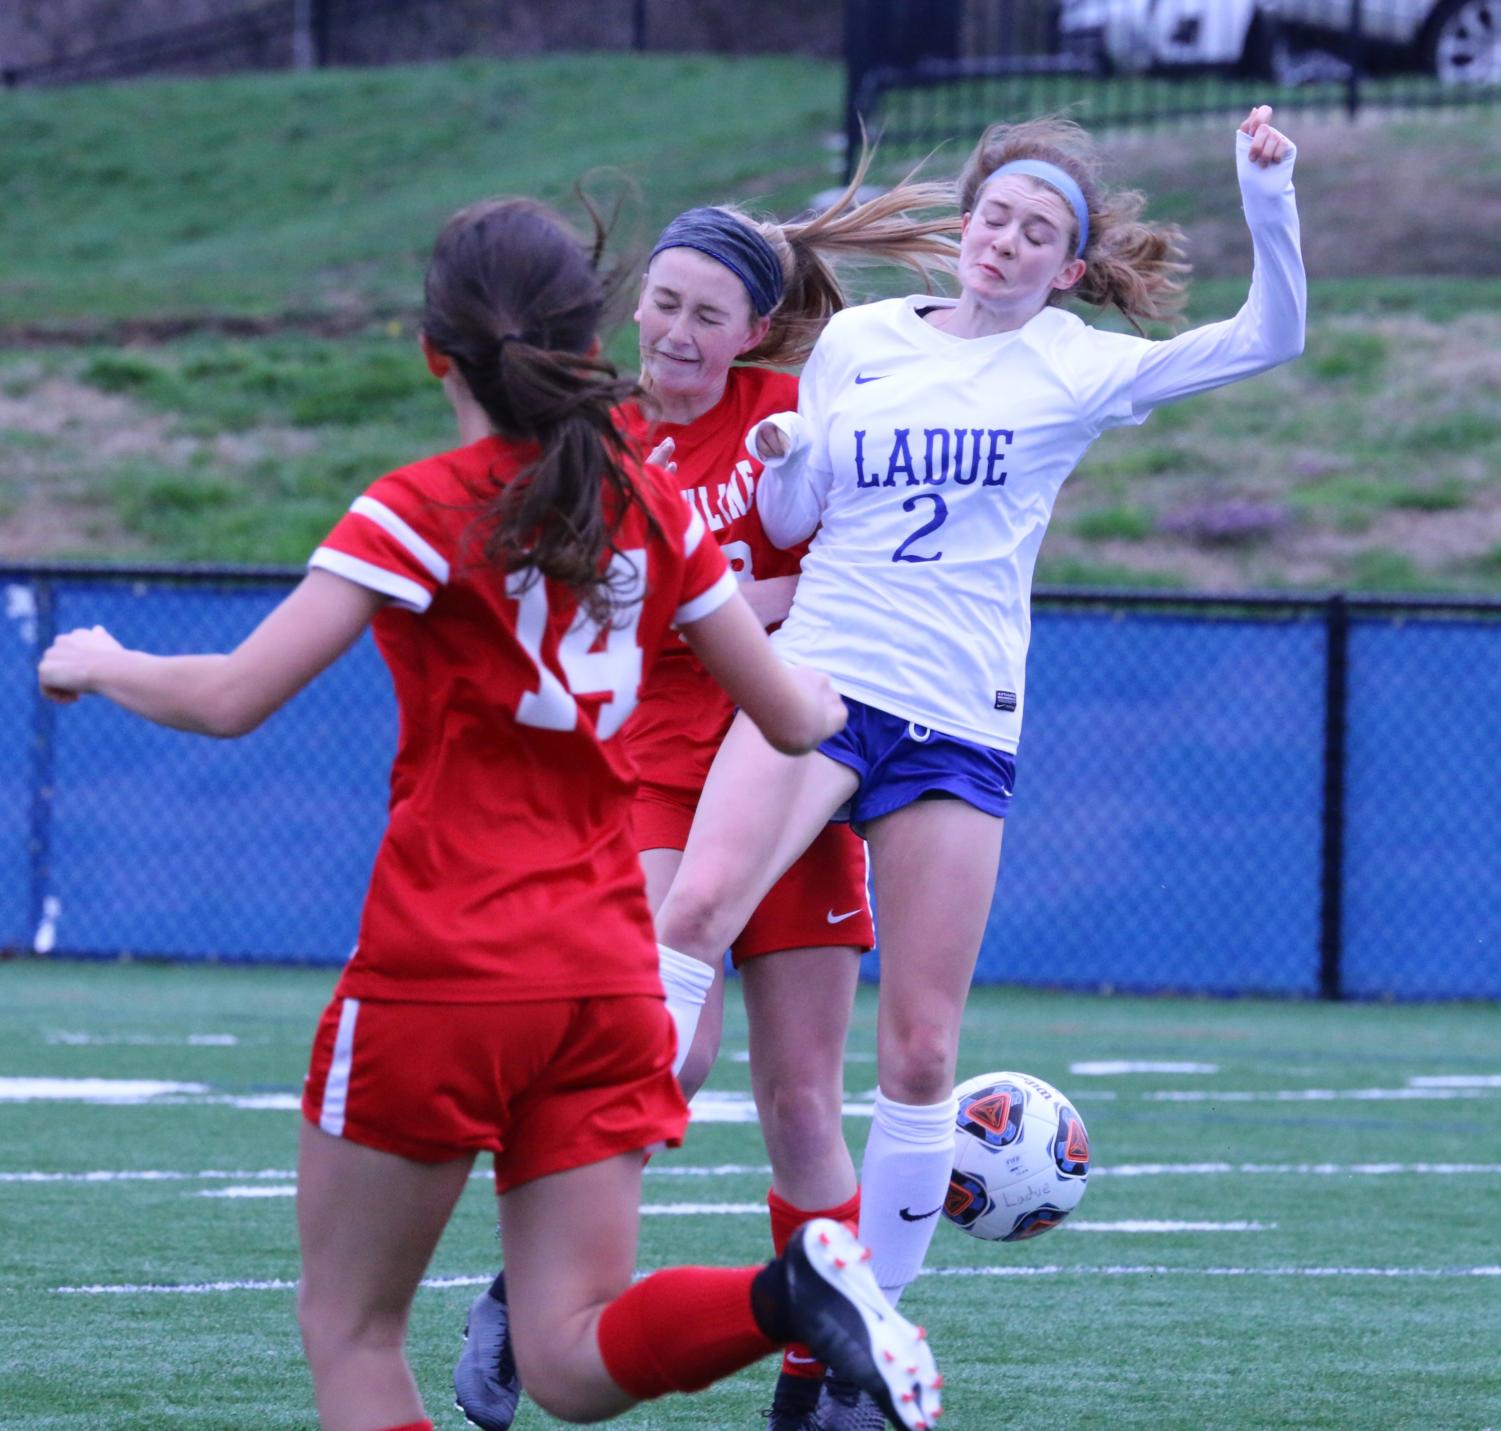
{"x": 615, "y": 667}
{"x": 939, "y": 517}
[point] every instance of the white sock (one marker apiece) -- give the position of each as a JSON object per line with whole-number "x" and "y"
{"x": 903, "y": 1182}
{"x": 687, "y": 982}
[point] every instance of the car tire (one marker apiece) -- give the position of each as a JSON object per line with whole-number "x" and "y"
{"x": 1461, "y": 42}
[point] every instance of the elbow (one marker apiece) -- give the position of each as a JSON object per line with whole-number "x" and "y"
{"x": 229, "y": 726}
{"x": 788, "y": 742}
{"x": 779, "y": 532}
{"x": 231, "y": 714}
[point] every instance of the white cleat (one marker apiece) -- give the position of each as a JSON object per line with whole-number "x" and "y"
{"x": 847, "y": 1322}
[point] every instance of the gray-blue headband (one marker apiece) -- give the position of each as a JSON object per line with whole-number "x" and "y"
{"x": 1054, "y": 178}
{"x": 736, "y": 245}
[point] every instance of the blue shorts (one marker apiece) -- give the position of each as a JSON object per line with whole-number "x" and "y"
{"x": 900, "y": 762}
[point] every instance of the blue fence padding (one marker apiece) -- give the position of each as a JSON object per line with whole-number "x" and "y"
{"x": 1423, "y": 848}
{"x": 1166, "y": 832}
{"x": 248, "y": 849}
{"x": 17, "y": 710}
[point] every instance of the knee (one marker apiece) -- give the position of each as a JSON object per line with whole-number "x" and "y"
{"x": 917, "y": 1065}
{"x": 332, "y": 1328}
{"x": 696, "y": 1067}
{"x": 698, "y": 915}
{"x": 801, "y": 1119}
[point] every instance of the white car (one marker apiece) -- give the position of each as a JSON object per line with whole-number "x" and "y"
{"x": 1457, "y": 40}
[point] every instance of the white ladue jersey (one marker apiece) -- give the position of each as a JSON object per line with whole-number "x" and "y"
{"x": 929, "y": 466}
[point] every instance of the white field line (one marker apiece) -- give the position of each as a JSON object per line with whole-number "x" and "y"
{"x": 1395, "y": 1273}
{"x": 1457, "y": 1080}
{"x": 1317, "y": 1170}
{"x": 1140, "y": 1224}
{"x": 725, "y": 1170}
{"x": 658, "y": 1209}
{"x": 758, "y": 1209}
{"x": 1435, "y": 1273}
{"x": 1111, "y": 1067}
{"x": 1314, "y": 1095}
{"x": 92, "y": 1090}
{"x": 709, "y": 1106}
{"x": 265, "y": 1190}
{"x": 88, "y": 1040}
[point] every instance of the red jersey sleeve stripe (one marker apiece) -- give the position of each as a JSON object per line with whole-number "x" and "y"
{"x": 705, "y": 602}
{"x": 695, "y": 533}
{"x": 402, "y": 590}
{"x": 404, "y": 533}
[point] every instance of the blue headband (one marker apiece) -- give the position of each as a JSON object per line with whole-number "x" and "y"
{"x": 1054, "y": 178}
{"x": 736, "y": 245}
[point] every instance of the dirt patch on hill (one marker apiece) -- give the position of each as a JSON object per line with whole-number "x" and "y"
{"x": 1367, "y": 208}
{"x": 63, "y": 445}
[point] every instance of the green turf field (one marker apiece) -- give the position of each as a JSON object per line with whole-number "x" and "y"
{"x": 1294, "y": 1219}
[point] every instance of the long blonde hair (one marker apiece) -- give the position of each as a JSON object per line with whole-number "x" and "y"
{"x": 899, "y": 226}
{"x": 1130, "y": 265}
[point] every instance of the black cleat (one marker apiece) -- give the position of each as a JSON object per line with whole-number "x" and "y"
{"x": 794, "y": 1402}
{"x": 846, "y": 1408}
{"x": 844, "y": 1319}
{"x": 485, "y": 1385}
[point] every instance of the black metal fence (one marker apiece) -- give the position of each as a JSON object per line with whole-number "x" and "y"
{"x": 920, "y": 72}
{"x": 1287, "y": 795}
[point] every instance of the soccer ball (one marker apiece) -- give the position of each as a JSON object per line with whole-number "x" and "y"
{"x": 1021, "y": 1158}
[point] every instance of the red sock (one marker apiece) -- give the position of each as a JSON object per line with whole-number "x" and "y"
{"x": 412, "y": 1426}
{"x": 681, "y": 1330}
{"x": 785, "y": 1220}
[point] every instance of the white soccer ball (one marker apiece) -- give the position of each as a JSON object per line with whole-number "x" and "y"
{"x": 1021, "y": 1158}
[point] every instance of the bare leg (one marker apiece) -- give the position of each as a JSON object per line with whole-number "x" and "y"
{"x": 368, "y": 1223}
{"x": 759, "y": 811}
{"x": 798, "y": 1005}
{"x": 934, "y": 865}
{"x": 935, "y": 868}
{"x": 570, "y": 1250}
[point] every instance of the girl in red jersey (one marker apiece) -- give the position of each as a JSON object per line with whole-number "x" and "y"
{"x": 723, "y": 298}
{"x": 519, "y": 588}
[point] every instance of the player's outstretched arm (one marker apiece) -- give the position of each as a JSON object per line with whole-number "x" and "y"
{"x": 793, "y": 707}
{"x": 219, "y": 695}
{"x": 1269, "y": 329}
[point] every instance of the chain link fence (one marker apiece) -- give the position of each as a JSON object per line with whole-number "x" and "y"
{"x": 1253, "y": 795}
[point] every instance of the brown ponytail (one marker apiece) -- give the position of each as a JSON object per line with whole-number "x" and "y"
{"x": 1130, "y": 265}
{"x": 515, "y": 301}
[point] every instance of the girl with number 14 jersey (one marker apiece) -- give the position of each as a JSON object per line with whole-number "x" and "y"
{"x": 504, "y": 995}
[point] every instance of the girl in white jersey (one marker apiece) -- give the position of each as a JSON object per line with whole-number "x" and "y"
{"x": 930, "y": 442}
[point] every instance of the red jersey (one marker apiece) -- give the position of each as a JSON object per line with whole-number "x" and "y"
{"x": 684, "y": 714}
{"x": 508, "y": 870}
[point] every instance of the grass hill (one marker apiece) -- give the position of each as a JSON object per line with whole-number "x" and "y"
{"x": 208, "y": 292}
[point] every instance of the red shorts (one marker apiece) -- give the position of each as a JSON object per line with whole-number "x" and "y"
{"x": 544, "y": 1086}
{"x": 821, "y": 901}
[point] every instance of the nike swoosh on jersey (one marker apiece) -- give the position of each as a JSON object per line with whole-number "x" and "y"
{"x": 873, "y": 378}
{"x": 907, "y": 1215}
{"x": 840, "y": 918}
{"x": 797, "y": 1360}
